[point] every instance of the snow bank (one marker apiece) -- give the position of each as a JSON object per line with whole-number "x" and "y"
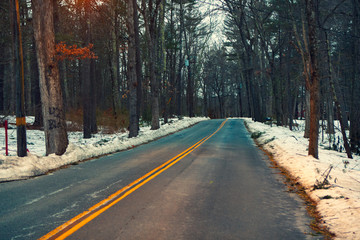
{"x": 339, "y": 204}
{"x": 15, "y": 168}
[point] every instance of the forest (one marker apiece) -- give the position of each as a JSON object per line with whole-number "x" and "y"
{"x": 120, "y": 64}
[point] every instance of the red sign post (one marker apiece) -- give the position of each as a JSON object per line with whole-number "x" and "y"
{"x": 6, "y": 138}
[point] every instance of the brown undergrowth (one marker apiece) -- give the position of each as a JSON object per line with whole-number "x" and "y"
{"x": 107, "y": 122}
{"x": 294, "y": 186}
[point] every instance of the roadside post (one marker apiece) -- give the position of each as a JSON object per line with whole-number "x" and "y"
{"x": 19, "y": 77}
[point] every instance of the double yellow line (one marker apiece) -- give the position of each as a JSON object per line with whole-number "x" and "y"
{"x": 82, "y": 219}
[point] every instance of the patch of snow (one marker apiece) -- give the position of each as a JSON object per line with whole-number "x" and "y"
{"x": 339, "y": 204}
{"x": 36, "y": 163}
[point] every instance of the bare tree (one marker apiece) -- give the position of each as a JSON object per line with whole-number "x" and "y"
{"x": 150, "y": 12}
{"x": 88, "y": 93}
{"x": 355, "y": 85}
{"x": 51, "y": 94}
{"x": 132, "y": 78}
{"x": 314, "y": 79}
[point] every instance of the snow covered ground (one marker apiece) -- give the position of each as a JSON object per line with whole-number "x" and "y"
{"x": 339, "y": 202}
{"x": 36, "y": 163}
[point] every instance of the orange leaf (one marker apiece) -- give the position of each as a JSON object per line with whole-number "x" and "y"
{"x": 63, "y": 52}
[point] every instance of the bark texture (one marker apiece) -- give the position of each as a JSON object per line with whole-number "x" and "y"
{"x": 314, "y": 80}
{"x": 51, "y": 95}
{"x": 132, "y": 79}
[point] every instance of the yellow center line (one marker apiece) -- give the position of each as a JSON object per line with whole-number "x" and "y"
{"x": 113, "y": 196}
{"x": 110, "y": 201}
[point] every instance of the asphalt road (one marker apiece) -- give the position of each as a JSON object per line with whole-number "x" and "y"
{"x": 220, "y": 188}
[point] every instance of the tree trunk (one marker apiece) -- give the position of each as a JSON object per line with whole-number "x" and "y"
{"x": 86, "y": 98}
{"x": 2, "y": 97}
{"x": 205, "y": 100}
{"x": 162, "y": 61}
{"x": 181, "y": 63}
{"x": 355, "y": 85}
{"x": 88, "y": 91}
{"x": 337, "y": 103}
{"x": 190, "y": 93}
{"x": 11, "y": 74}
{"x": 240, "y": 100}
{"x": 36, "y": 92}
{"x": 138, "y": 62}
{"x": 314, "y": 79}
{"x": 171, "y": 57}
{"x": 86, "y": 85}
{"x": 93, "y": 102}
{"x": 150, "y": 14}
{"x": 307, "y": 114}
{"x": 155, "y": 107}
{"x": 114, "y": 63}
{"x": 56, "y": 140}
{"x": 131, "y": 70}
{"x": 330, "y": 129}
{"x": 190, "y": 87}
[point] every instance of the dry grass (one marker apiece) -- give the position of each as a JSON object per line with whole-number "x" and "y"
{"x": 106, "y": 121}
{"x": 74, "y": 119}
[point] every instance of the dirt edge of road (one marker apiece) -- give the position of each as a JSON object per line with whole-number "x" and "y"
{"x": 294, "y": 186}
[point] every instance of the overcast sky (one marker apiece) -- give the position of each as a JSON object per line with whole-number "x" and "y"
{"x": 216, "y": 19}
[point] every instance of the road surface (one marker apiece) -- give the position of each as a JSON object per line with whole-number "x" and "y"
{"x": 200, "y": 183}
